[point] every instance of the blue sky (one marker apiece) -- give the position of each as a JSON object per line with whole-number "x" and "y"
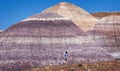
{"x": 13, "y": 11}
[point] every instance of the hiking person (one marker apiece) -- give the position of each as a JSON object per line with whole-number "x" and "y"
{"x": 66, "y": 55}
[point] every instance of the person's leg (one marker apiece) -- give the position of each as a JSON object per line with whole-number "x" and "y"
{"x": 65, "y": 59}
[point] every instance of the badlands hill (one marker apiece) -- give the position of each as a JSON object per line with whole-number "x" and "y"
{"x": 42, "y": 39}
{"x": 100, "y": 15}
{"x": 45, "y": 25}
{"x": 109, "y": 25}
{"x": 79, "y": 16}
{"x": 106, "y": 32}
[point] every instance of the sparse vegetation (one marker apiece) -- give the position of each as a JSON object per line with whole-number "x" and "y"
{"x": 101, "y": 66}
{"x": 79, "y": 65}
{"x": 71, "y": 70}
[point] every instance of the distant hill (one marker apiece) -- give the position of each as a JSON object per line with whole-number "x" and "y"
{"x": 108, "y": 29}
{"x": 100, "y": 15}
{"x": 101, "y": 66}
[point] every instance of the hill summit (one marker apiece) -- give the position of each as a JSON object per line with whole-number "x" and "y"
{"x": 78, "y": 15}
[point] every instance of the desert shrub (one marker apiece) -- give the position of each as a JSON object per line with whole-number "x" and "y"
{"x": 79, "y": 65}
{"x": 37, "y": 70}
{"x": 71, "y": 70}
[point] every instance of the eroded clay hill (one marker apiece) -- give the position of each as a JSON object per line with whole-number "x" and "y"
{"x": 42, "y": 39}
{"x": 45, "y": 25}
{"x": 106, "y": 32}
{"x": 79, "y": 16}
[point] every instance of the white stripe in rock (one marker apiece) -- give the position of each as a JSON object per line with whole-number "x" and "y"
{"x": 43, "y": 19}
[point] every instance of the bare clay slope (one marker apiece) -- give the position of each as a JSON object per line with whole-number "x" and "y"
{"x": 41, "y": 40}
{"x": 100, "y": 15}
{"x": 107, "y": 32}
{"x": 78, "y": 15}
{"x": 45, "y": 25}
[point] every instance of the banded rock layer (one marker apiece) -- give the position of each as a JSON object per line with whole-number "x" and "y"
{"x": 100, "y": 15}
{"x": 107, "y": 33}
{"x": 41, "y": 40}
{"x": 79, "y": 16}
{"x": 108, "y": 25}
{"x": 45, "y": 25}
